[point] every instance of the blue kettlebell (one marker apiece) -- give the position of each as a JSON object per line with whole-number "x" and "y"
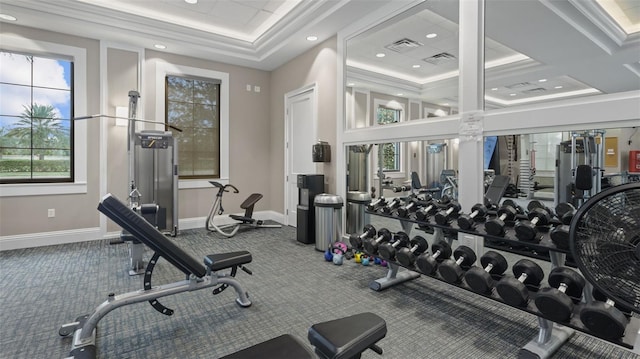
{"x": 365, "y": 260}
{"x": 338, "y": 254}
{"x": 328, "y": 255}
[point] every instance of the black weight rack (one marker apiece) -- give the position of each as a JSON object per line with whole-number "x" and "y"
{"x": 551, "y": 335}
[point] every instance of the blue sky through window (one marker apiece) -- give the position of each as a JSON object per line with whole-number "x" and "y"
{"x": 51, "y": 81}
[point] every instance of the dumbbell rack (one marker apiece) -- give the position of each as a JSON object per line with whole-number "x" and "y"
{"x": 551, "y": 335}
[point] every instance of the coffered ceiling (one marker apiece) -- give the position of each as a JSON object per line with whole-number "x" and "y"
{"x": 532, "y": 46}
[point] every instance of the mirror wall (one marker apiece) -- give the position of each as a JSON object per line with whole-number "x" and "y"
{"x": 406, "y": 68}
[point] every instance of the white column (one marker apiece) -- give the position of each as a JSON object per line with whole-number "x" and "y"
{"x": 471, "y": 105}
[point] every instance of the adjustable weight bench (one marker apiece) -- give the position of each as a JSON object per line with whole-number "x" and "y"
{"x": 344, "y": 338}
{"x": 199, "y": 276}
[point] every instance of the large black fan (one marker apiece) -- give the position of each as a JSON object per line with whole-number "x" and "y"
{"x": 605, "y": 243}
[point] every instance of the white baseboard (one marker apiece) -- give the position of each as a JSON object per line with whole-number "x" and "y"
{"x": 31, "y": 240}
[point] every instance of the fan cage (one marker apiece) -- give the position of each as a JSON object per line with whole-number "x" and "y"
{"x": 604, "y": 239}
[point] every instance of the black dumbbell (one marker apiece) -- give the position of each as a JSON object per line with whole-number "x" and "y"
{"x": 391, "y": 206}
{"x": 411, "y": 205}
{"x": 452, "y": 271}
{"x": 444, "y": 217}
{"x": 407, "y": 256}
{"x": 428, "y": 209}
{"x": 560, "y": 236}
{"x": 495, "y": 226}
{"x": 480, "y": 280}
{"x": 468, "y": 221}
{"x": 603, "y": 317}
{"x": 565, "y": 212}
{"x": 387, "y": 250}
{"x": 528, "y": 230}
{"x": 356, "y": 240}
{"x": 427, "y": 263}
{"x": 375, "y": 205}
{"x": 557, "y": 302}
{"x": 402, "y": 188}
{"x": 513, "y": 290}
{"x": 512, "y": 203}
{"x": 371, "y": 245}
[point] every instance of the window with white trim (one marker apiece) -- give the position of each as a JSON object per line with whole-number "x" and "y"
{"x": 66, "y": 140}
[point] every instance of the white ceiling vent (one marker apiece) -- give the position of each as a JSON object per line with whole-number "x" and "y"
{"x": 535, "y": 91}
{"x": 519, "y": 85}
{"x": 403, "y": 45}
{"x": 441, "y": 58}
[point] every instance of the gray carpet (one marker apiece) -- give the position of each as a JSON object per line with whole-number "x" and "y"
{"x": 292, "y": 288}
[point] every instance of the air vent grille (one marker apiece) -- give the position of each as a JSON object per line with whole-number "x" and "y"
{"x": 534, "y": 91}
{"x": 441, "y": 58}
{"x": 403, "y": 45}
{"x": 519, "y": 85}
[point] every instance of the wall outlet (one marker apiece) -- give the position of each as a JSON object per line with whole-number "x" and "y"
{"x": 51, "y": 212}
{"x": 249, "y": 88}
{"x": 256, "y": 88}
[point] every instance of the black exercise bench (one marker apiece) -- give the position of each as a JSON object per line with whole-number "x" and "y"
{"x": 344, "y": 338}
{"x": 199, "y": 276}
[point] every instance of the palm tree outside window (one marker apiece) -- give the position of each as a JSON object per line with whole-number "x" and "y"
{"x": 36, "y": 108}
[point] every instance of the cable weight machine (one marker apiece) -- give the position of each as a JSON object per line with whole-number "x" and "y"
{"x": 152, "y": 182}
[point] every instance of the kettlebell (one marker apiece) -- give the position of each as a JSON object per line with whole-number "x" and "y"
{"x": 328, "y": 255}
{"x": 365, "y": 260}
{"x": 338, "y": 254}
{"x": 358, "y": 257}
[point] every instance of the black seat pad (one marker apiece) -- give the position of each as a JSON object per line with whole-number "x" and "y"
{"x": 285, "y": 347}
{"x": 347, "y": 337}
{"x": 241, "y": 218}
{"x": 226, "y": 260}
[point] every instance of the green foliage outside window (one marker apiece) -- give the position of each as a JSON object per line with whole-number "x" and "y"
{"x": 390, "y": 151}
{"x": 193, "y": 106}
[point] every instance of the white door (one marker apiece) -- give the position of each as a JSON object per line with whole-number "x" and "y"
{"x": 300, "y": 135}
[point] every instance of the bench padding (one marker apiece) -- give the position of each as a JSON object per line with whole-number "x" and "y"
{"x": 347, "y": 337}
{"x": 285, "y": 347}
{"x": 227, "y": 260}
{"x": 149, "y": 235}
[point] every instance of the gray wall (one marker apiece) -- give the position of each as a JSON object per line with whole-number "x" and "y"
{"x": 28, "y": 214}
{"x": 318, "y": 65}
{"x": 256, "y": 134}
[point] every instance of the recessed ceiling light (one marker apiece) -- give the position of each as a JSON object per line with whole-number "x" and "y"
{"x": 416, "y": 66}
{"x": 159, "y": 46}
{"x": 542, "y": 80}
{"x": 191, "y": 1}
{"x": 312, "y": 38}
{"x": 512, "y": 94}
{"x": 445, "y": 104}
{"x": 399, "y": 94}
{"x": 380, "y": 54}
{"x": 494, "y": 89}
{"x": 558, "y": 87}
{"x": 8, "y": 17}
{"x": 351, "y": 84}
{"x": 431, "y": 35}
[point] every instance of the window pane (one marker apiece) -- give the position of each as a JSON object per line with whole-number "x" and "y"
{"x": 35, "y": 127}
{"x": 57, "y": 102}
{"x": 13, "y": 99}
{"x": 179, "y": 89}
{"x": 180, "y": 114}
{"x": 205, "y": 92}
{"x": 206, "y": 139}
{"x": 15, "y": 68}
{"x": 51, "y": 73}
{"x": 205, "y": 116}
{"x": 192, "y": 105}
{"x": 16, "y": 164}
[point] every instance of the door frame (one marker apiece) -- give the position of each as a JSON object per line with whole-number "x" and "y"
{"x": 313, "y": 88}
